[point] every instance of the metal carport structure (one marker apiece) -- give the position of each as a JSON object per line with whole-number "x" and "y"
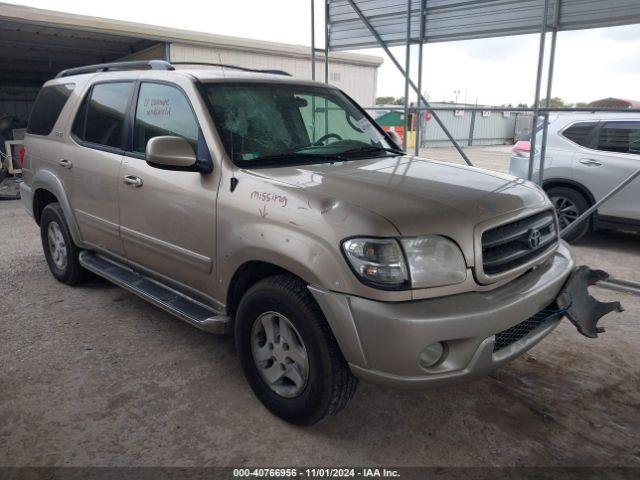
{"x": 36, "y": 44}
{"x": 360, "y": 24}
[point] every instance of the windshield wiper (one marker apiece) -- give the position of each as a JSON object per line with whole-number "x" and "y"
{"x": 372, "y": 149}
{"x": 289, "y": 158}
{"x": 294, "y": 157}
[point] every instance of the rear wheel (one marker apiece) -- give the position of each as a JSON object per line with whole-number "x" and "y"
{"x": 570, "y": 204}
{"x": 59, "y": 250}
{"x": 288, "y": 353}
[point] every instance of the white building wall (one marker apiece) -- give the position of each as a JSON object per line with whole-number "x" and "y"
{"x": 152, "y": 53}
{"x": 357, "y": 80}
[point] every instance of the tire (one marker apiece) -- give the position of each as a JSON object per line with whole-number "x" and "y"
{"x": 54, "y": 230}
{"x": 329, "y": 383}
{"x": 570, "y": 204}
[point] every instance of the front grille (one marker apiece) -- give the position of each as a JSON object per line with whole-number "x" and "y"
{"x": 509, "y": 246}
{"x": 522, "y": 329}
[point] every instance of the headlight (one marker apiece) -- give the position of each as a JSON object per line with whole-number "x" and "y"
{"x": 430, "y": 261}
{"x": 434, "y": 261}
{"x": 377, "y": 261}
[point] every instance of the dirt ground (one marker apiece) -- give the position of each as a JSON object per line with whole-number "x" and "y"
{"x": 94, "y": 376}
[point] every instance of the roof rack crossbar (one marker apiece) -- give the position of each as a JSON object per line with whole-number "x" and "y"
{"x": 116, "y": 66}
{"x": 235, "y": 67}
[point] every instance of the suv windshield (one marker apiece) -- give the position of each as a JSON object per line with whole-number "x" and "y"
{"x": 280, "y": 124}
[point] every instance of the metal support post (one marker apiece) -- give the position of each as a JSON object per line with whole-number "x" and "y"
{"x": 547, "y": 103}
{"x": 326, "y": 63}
{"x": 543, "y": 147}
{"x": 421, "y": 97}
{"x": 407, "y": 60}
{"x": 326, "y": 41}
{"x": 536, "y": 106}
{"x": 419, "y": 115}
{"x": 472, "y": 127}
{"x": 313, "y": 41}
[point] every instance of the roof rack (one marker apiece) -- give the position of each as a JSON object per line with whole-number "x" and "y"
{"x": 155, "y": 65}
{"x": 116, "y": 66}
{"x": 235, "y": 67}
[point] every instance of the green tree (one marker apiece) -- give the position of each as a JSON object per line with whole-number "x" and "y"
{"x": 556, "y": 102}
{"x": 385, "y": 100}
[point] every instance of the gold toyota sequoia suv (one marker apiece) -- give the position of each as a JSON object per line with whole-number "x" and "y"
{"x": 276, "y": 210}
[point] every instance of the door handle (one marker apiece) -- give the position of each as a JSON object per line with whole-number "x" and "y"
{"x": 64, "y": 163}
{"x": 133, "y": 181}
{"x": 589, "y": 162}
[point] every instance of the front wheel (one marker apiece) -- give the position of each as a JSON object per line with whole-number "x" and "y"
{"x": 288, "y": 353}
{"x": 570, "y": 204}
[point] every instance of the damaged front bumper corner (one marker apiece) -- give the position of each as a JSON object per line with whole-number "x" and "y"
{"x": 582, "y": 310}
{"x": 383, "y": 341}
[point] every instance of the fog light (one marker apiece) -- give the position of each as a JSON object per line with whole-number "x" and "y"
{"x": 431, "y": 355}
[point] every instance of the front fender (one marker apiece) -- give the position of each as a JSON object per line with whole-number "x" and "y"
{"x": 298, "y": 229}
{"x": 313, "y": 261}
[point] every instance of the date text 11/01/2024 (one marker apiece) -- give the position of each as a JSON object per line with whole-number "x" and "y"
{"x": 315, "y": 472}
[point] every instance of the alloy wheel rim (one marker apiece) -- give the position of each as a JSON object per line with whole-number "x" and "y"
{"x": 279, "y": 354}
{"x": 567, "y": 211}
{"x": 57, "y": 245}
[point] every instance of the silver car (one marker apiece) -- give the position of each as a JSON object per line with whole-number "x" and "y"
{"x": 587, "y": 156}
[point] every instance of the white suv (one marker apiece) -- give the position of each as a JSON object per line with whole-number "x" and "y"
{"x": 587, "y": 156}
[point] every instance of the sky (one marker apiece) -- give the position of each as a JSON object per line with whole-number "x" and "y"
{"x": 590, "y": 64}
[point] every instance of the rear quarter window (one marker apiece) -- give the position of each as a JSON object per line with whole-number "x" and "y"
{"x": 580, "y": 133}
{"x": 100, "y": 118}
{"x": 48, "y": 105}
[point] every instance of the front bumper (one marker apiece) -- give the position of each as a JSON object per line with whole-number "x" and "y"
{"x": 382, "y": 341}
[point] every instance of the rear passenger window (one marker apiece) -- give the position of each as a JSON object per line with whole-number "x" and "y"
{"x": 580, "y": 133}
{"x": 620, "y": 137}
{"x": 46, "y": 110}
{"x": 100, "y": 119}
{"x": 163, "y": 110}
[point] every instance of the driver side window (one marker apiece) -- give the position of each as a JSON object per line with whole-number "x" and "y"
{"x": 620, "y": 137}
{"x": 163, "y": 110}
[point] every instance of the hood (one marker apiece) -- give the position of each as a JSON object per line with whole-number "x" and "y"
{"x": 418, "y": 196}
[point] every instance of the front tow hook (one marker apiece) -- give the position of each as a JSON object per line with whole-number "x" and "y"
{"x": 583, "y": 310}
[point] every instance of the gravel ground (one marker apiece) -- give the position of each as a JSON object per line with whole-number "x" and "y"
{"x": 94, "y": 376}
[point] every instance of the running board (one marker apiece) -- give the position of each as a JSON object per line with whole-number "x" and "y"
{"x": 174, "y": 302}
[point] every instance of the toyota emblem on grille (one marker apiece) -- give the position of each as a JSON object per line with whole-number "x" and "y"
{"x": 534, "y": 238}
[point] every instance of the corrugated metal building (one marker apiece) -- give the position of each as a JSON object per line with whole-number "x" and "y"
{"x": 467, "y": 127}
{"x": 35, "y": 44}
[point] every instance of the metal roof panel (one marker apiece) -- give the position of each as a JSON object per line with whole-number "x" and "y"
{"x": 451, "y": 20}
